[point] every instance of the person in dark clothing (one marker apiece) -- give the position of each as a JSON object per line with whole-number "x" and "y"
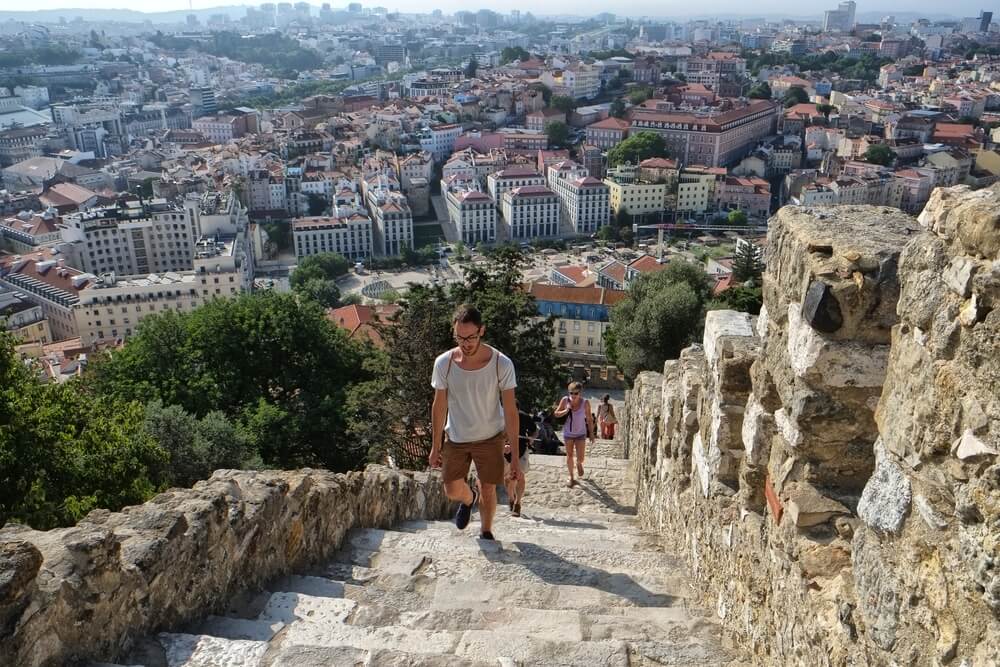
{"x": 527, "y": 432}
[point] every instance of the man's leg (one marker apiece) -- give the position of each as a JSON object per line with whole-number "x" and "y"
{"x": 520, "y": 488}
{"x": 487, "y": 506}
{"x": 458, "y": 490}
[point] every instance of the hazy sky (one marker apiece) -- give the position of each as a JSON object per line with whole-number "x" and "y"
{"x": 579, "y": 7}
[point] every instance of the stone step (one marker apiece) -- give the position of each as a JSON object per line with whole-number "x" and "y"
{"x": 187, "y": 650}
{"x": 526, "y": 529}
{"x": 239, "y": 628}
{"x": 344, "y": 656}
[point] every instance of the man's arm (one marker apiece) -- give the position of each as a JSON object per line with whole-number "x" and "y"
{"x": 439, "y": 413}
{"x": 512, "y": 428}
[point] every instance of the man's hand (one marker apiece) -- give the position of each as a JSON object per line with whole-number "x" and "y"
{"x": 435, "y": 457}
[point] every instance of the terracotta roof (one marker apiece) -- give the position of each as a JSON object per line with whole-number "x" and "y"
{"x": 953, "y": 129}
{"x": 531, "y": 191}
{"x": 358, "y": 320}
{"x": 583, "y": 295}
{"x": 610, "y": 123}
{"x": 36, "y": 225}
{"x": 578, "y": 274}
{"x": 647, "y": 264}
{"x": 658, "y": 163}
{"x": 614, "y": 270}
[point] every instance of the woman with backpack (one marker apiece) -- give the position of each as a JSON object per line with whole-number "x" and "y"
{"x": 606, "y": 418}
{"x": 578, "y": 427}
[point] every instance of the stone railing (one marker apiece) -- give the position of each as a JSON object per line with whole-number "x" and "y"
{"x": 90, "y": 591}
{"x": 829, "y": 468}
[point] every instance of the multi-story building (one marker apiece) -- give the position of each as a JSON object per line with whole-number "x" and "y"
{"x": 500, "y": 182}
{"x": 750, "y": 194}
{"x": 21, "y": 318}
{"x": 582, "y": 316}
{"x": 348, "y": 232}
{"x": 579, "y": 81}
{"x": 840, "y": 19}
{"x": 539, "y": 120}
{"x": 714, "y": 138}
{"x": 696, "y": 189}
{"x": 27, "y": 230}
{"x": 530, "y": 211}
{"x": 628, "y": 192}
{"x": 21, "y": 143}
{"x": 439, "y": 140}
{"x": 49, "y": 284}
{"x": 220, "y": 129}
{"x": 144, "y": 237}
{"x": 584, "y": 199}
{"x": 721, "y": 71}
{"x": 110, "y": 307}
{"x": 607, "y": 133}
{"x": 472, "y": 212}
{"x": 392, "y": 228}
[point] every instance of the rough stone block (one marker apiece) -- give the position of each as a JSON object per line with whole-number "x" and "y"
{"x": 885, "y": 501}
{"x": 720, "y": 325}
{"x": 807, "y": 507}
{"x": 833, "y": 363}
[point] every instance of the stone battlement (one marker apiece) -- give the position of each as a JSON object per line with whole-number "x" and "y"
{"x": 90, "y": 591}
{"x": 830, "y": 467}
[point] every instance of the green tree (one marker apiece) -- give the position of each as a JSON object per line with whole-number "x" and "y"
{"x": 544, "y": 90}
{"x": 324, "y": 265}
{"x": 279, "y": 233}
{"x": 747, "y": 263}
{"x": 316, "y": 202}
{"x": 662, "y": 314}
{"x": 607, "y": 233}
{"x": 879, "y": 154}
{"x": 557, "y": 133}
{"x": 64, "y": 452}
{"x": 795, "y": 95}
{"x": 737, "y": 217}
{"x": 196, "y": 447}
{"x": 639, "y": 95}
{"x": 470, "y": 69}
{"x": 744, "y": 298}
{"x": 321, "y": 290}
{"x": 239, "y": 356}
{"x": 564, "y": 103}
{"x": 617, "y": 108}
{"x": 637, "y": 148}
{"x": 760, "y": 91}
{"x": 825, "y": 109}
{"x": 511, "y": 53}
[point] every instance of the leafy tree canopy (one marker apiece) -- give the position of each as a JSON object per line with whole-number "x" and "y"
{"x": 564, "y": 103}
{"x": 557, "y": 133}
{"x": 662, "y": 314}
{"x": 879, "y": 154}
{"x": 637, "y": 148}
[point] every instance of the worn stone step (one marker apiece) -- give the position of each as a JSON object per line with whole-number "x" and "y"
{"x": 485, "y": 645}
{"x": 464, "y": 559}
{"x": 509, "y": 529}
{"x": 187, "y": 650}
{"x": 239, "y": 628}
{"x": 344, "y": 656}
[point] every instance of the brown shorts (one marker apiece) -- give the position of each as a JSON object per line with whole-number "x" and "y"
{"x": 487, "y": 455}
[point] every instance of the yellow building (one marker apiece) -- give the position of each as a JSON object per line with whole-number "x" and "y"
{"x": 696, "y": 189}
{"x": 626, "y": 190}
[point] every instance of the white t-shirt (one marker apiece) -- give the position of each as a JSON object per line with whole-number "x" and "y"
{"x": 475, "y": 411}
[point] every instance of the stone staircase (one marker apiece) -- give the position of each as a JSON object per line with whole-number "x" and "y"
{"x": 572, "y": 582}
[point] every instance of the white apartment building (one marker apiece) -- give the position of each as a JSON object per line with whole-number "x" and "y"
{"x": 530, "y": 211}
{"x": 348, "y": 232}
{"x": 153, "y": 237}
{"x": 439, "y": 140}
{"x": 579, "y": 81}
{"x": 473, "y": 213}
{"x": 501, "y": 182}
{"x": 217, "y": 129}
{"x": 110, "y": 307}
{"x": 585, "y": 200}
{"x": 393, "y": 221}
{"x": 628, "y": 192}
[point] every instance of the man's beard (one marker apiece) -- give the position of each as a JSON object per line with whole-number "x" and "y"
{"x": 474, "y": 352}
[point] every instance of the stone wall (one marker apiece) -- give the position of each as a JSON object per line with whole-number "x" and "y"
{"x": 90, "y": 591}
{"x": 830, "y": 468}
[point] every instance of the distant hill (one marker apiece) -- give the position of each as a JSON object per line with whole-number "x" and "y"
{"x": 122, "y": 15}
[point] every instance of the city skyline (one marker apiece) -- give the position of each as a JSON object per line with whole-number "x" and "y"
{"x": 651, "y": 8}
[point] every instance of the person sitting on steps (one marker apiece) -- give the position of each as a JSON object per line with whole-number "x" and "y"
{"x": 578, "y": 427}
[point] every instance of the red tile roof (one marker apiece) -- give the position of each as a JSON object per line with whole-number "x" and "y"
{"x": 610, "y": 123}
{"x": 583, "y": 295}
{"x": 358, "y": 320}
{"x": 647, "y": 264}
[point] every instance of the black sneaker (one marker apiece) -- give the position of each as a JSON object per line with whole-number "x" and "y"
{"x": 486, "y": 535}
{"x": 464, "y": 512}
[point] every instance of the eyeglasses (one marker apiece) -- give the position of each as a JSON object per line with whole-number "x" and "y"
{"x": 574, "y": 393}
{"x": 467, "y": 339}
